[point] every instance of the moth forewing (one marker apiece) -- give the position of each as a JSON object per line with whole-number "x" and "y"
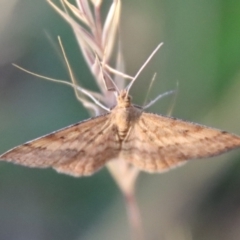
{"x": 80, "y": 149}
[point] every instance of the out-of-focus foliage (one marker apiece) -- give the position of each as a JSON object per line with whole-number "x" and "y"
{"x": 201, "y": 52}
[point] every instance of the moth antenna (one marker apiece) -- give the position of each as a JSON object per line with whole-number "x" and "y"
{"x": 142, "y": 67}
{"x": 158, "y": 98}
{"x": 149, "y": 88}
{"x": 87, "y": 93}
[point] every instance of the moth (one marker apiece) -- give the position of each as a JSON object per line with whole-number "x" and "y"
{"x": 150, "y": 142}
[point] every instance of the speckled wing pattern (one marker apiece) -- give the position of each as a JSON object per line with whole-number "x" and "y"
{"x": 153, "y": 143}
{"x": 78, "y": 150}
{"x": 156, "y": 143}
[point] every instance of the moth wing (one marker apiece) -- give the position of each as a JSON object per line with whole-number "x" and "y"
{"x": 156, "y": 143}
{"x": 79, "y": 149}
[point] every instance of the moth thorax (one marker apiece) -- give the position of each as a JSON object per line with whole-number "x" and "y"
{"x": 123, "y": 124}
{"x": 121, "y": 117}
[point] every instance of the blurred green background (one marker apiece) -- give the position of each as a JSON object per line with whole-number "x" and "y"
{"x": 201, "y": 52}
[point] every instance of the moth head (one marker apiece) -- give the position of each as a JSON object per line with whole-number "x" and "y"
{"x": 124, "y": 99}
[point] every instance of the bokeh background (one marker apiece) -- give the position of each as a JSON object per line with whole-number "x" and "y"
{"x": 201, "y": 52}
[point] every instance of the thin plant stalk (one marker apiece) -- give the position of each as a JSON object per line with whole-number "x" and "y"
{"x": 97, "y": 39}
{"x": 134, "y": 216}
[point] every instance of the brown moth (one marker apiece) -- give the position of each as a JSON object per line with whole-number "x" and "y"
{"x": 150, "y": 142}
